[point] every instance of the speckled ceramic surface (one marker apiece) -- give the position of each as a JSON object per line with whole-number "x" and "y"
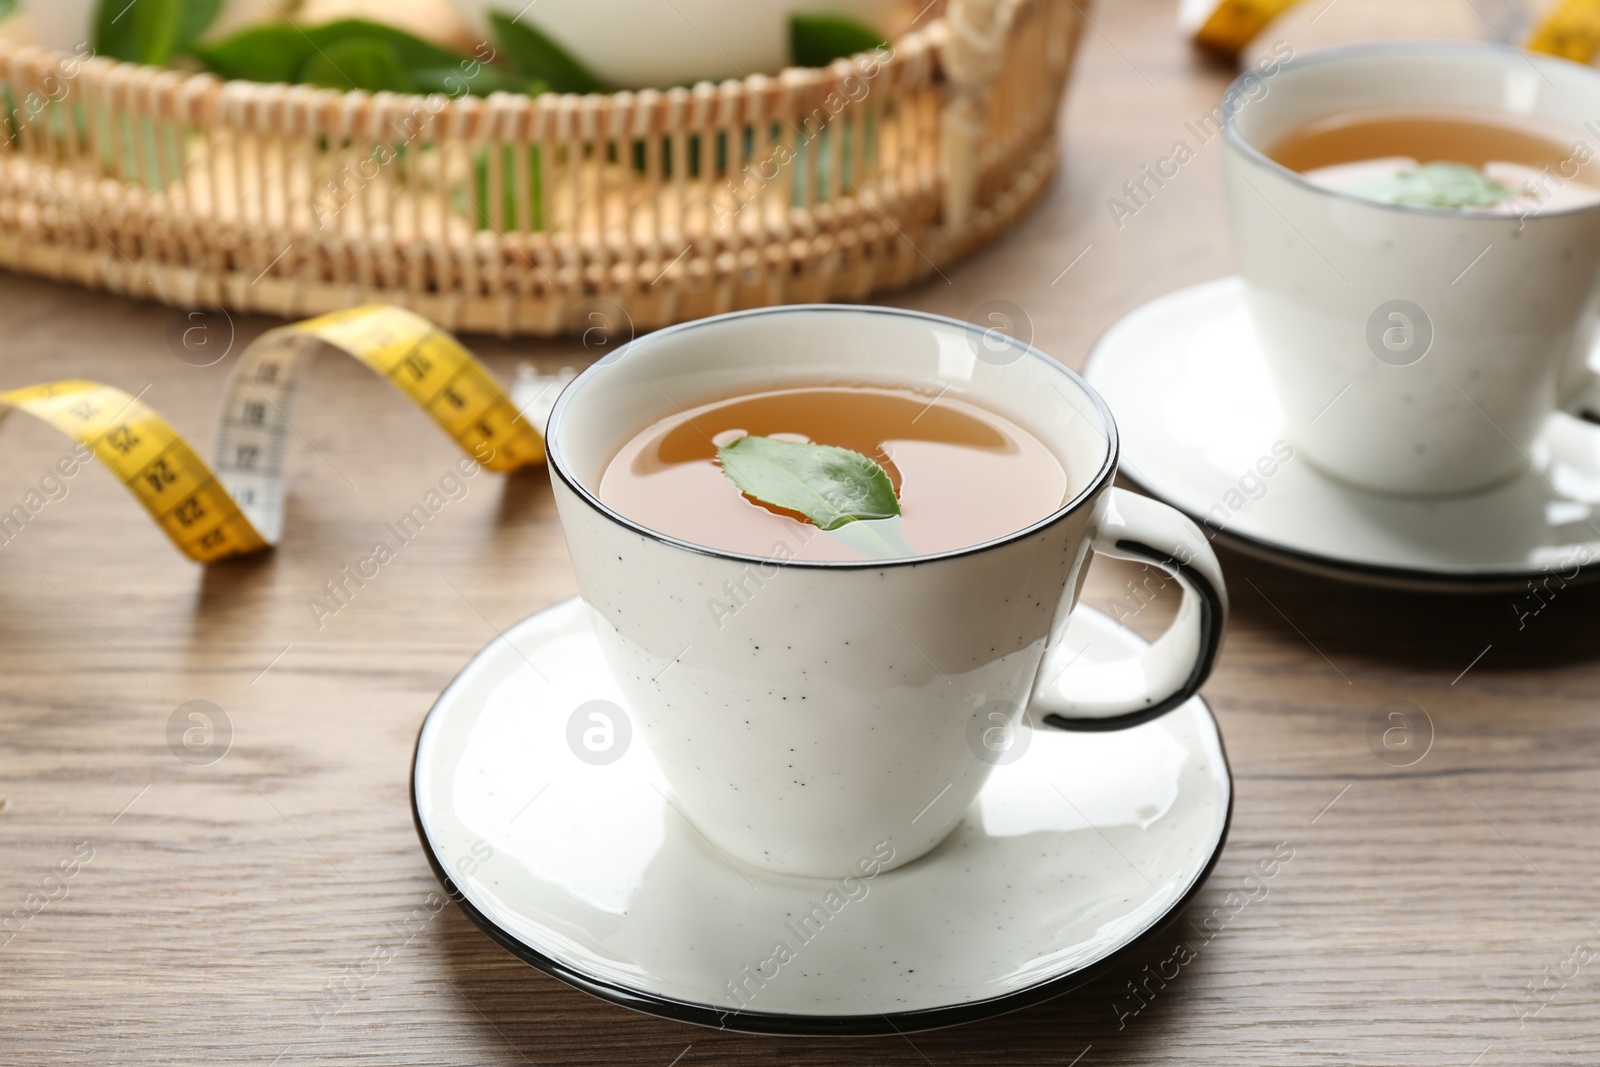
{"x": 1203, "y": 430}
{"x": 581, "y": 865}
{"x": 804, "y": 711}
{"x": 1414, "y": 349}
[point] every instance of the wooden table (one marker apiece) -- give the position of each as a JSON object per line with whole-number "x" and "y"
{"x": 1420, "y": 904}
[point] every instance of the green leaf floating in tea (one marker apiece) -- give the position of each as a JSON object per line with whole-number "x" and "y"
{"x": 830, "y": 486}
{"x": 1435, "y": 185}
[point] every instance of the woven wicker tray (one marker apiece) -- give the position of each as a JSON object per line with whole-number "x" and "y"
{"x": 512, "y": 214}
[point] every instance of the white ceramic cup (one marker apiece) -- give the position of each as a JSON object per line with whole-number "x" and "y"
{"x": 1415, "y": 350}
{"x": 847, "y": 711}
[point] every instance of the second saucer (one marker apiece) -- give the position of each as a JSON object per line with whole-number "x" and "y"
{"x": 1203, "y": 431}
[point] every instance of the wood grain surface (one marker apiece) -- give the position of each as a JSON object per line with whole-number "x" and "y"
{"x": 1440, "y": 913}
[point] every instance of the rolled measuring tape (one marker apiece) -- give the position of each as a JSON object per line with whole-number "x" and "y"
{"x": 1226, "y": 26}
{"x": 235, "y": 507}
{"x": 1566, "y": 28}
{"x": 1570, "y": 29}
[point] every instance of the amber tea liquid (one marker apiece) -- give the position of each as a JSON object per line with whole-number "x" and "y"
{"x": 1541, "y": 163}
{"x": 964, "y": 474}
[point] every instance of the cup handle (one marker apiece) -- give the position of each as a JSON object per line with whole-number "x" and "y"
{"x": 1136, "y": 689}
{"x": 1582, "y": 396}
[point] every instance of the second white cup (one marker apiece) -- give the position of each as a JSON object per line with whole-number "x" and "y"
{"x": 1415, "y": 350}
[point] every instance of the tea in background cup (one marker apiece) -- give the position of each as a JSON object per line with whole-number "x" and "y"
{"x": 815, "y": 697}
{"x": 1417, "y": 346}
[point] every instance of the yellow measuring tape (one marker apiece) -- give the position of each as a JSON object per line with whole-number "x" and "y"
{"x": 1571, "y": 30}
{"x": 1226, "y": 26}
{"x": 1568, "y": 28}
{"x": 236, "y": 507}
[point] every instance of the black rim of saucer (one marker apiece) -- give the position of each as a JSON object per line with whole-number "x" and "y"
{"x": 784, "y": 1024}
{"x": 1375, "y": 574}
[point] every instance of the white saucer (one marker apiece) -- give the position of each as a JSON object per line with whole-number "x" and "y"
{"x": 1196, "y": 411}
{"x": 1075, "y": 852}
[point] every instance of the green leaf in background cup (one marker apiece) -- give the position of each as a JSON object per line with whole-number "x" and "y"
{"x": 357, "y": 63}
{"x": 540, "y": 58}
{"x": 817, "y": 38}
{"x": 1435, "y": 185}
{"x": 7, "y": 7}
{"x": 830, "y": 486}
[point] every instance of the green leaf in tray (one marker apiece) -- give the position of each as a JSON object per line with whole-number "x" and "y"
{"x": 349, "y": 53}
{"x": 413, "y": 51}
{"x": 150, "y": 31}
{"x": 156, "y": 24}
{"x": 540, "y": 58}
{"x": 7, "y": 7}
{"x": 114, "y": 30}
{"x": 357, "y": 63}
{"x": 510, "y": 213}
{"x": 272, "y": 53}
{"x": 830, "y": 486}
{"x": 454, "y": 81}
{"x": 197, "y": 16}
{"x": 1436, "y": 185}
{"x": 817, "y": 38}
{"x": 282, "y": 52}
